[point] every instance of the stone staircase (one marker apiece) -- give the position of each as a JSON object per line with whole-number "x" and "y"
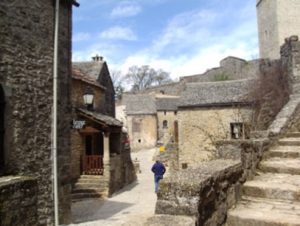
{"x": 89, "y": 186}
{"x": 272, "y": 198}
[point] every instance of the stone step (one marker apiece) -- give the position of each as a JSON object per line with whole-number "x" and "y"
{"x": 284, "y": 152}
{"x": 87, "y": 190}
{"x": 89, "y": 185}
{"x": 280, "y": 165}
{"x": 293, "y": 134}
{"x": 276, "y": 186}
{"x": 80, "y": 196}
{"x": 264, "y": 212}
{"x": 89, "y": 181}
{"x": 167, "y": 220}
{"x": 290, "y": 141}
{"x": 91, "y": 176}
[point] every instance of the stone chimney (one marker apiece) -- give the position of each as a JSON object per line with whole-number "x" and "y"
{"x": 97, "y": 58}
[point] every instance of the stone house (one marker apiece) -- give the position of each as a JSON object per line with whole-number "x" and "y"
{"x": 97, "y": 140}
{"x": 141, "y": 120}
{"x": 208, "y": 112}
{"x": 167, "y": 123}
{"x": 26, "y": 100}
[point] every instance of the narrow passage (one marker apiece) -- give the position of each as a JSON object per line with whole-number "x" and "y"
{"x": 129, "y": 207}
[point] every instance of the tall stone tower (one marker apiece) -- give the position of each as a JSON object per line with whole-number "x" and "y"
{"x": 277, "y": 19}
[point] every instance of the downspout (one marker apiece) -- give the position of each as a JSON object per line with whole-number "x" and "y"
{"x": 54, "y": 126}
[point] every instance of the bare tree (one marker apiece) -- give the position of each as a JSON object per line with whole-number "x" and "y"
{"x": 118, "y": 81}
{"x": 145, "y": 76}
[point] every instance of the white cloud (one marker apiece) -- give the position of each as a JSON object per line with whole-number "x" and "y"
{"x": 78, "y": 37}
{"x": 123, "y": 33}
{"x": 185, "y": 30}
{"x": 126, "y": 9}
{"x": 187, "y": 47}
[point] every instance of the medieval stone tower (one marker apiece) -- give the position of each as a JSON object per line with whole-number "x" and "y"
{"x": 277, "y": 19}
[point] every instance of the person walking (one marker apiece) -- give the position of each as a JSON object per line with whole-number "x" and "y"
{"x": 159, "y": 170}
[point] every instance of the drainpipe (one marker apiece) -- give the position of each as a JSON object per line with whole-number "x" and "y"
{"x": 54, "y": 126}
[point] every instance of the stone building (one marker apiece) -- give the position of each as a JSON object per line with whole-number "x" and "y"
{"x": 141, "y": 120}
{"x": 97, "y": 68}
{"x": 208, "y": 112}
{"x": 277, "y": 19}
{"x": 167, "y": 124}
{"x": 98, "y": 142}
{"x": 26, "y": 96}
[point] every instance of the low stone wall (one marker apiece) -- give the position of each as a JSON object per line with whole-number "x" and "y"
{"x": 249, "y": 152}
{"x": 18, "y": 201}
{"x": 122, "y": 171}
{"x": 205, "y": 193}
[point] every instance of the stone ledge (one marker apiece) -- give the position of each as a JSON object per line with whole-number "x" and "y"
{"x": 205, "y": 192}
{"x": 166, "y": 220}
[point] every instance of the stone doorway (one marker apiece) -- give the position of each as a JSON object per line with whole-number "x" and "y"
{"x": 2, "y": 109}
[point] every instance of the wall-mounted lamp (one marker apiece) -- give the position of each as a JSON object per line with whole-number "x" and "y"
{"x": 88, "y": 98}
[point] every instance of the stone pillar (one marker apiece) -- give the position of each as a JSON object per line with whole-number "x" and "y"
{"x": 106, "y": 163}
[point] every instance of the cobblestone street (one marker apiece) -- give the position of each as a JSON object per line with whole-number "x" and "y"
{"x": 131, "y": 206}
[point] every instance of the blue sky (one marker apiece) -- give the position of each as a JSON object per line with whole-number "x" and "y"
{"x": 182, "y": 37}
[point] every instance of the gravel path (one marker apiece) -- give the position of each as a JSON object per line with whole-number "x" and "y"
{"x": 129, "y": 207}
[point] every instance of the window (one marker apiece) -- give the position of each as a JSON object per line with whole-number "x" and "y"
{"x": 2, "y": 105}
{"x": 237, "y": 130}
{"x": 165, "y": 112}
{"x": 175, "y": 112}
{"x": 165, "y": 124}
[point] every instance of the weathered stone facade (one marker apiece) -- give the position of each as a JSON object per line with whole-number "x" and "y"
{"x": 201, "y": 128}
{"x": 26, "y": 67}
{"x": 18, "y": 201}
{"x": 275, "y": 24}
{"x": 142, "y": 130}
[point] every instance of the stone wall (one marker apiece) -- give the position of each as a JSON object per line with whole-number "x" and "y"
{"x": 200, "y": 128}
{"x": 231, "y": 68}
{"x": 78, "y": 90}
{"x": 274, "y": 25}
{"x": 18, "y": 201}
{"x": 142, "y": 130}
{"x": 166, "y": 134}
{"x": 122, "y": 171}
{"x": 205, "y": 193}
{"x": 26, "y": 68}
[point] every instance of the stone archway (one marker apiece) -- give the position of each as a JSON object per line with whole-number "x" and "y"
{"x": 2, "y": 109}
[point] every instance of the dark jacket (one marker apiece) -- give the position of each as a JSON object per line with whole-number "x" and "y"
{"x": 158, "y": 168}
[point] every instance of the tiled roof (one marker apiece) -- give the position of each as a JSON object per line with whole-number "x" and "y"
{"x": 110, "y": 121}
{"x": 167, "y": 104}
{"x": 91, "y": 68}
{"x": 79, "y": 75}
{"x": 139, "y": 104}
{"x": 215, "y": 93}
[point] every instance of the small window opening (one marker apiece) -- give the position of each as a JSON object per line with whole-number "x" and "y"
{"x": 139, "y": 141}
{"x": 237, "y": 130}
{"x": 184, "y": 165}
{"x": 165, "y": 112}
{"x": 175, "y": 112}
{"x": 165, "y": 124}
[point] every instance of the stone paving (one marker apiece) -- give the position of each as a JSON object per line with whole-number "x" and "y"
{"x": 131, "y": 206}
